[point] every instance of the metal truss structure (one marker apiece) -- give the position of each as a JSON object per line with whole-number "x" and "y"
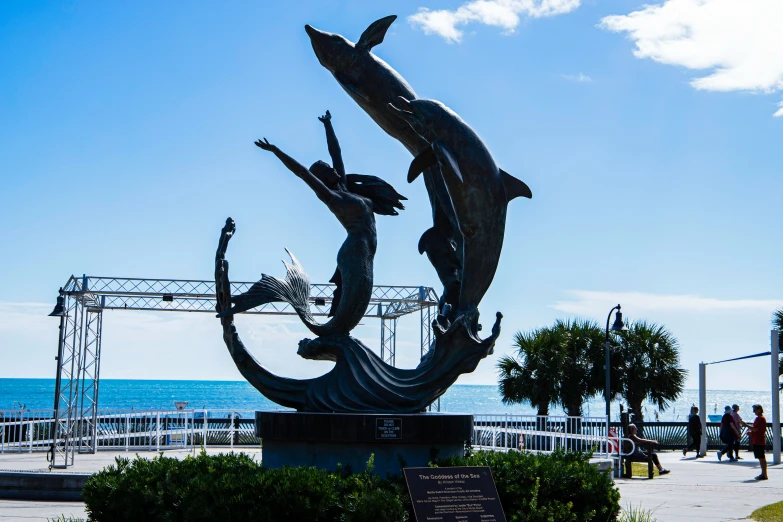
{"x": 83, "y": 300}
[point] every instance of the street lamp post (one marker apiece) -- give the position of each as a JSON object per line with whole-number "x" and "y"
{"x": 618, "y": 326}
{"x": 59, "y": 311}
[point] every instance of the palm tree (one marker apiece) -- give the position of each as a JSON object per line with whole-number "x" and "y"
{"x": 777, "y": 322}
{"x": 580, "y": 349}
{"x": 647, "y": 362}
{"x": 532, "y": 376}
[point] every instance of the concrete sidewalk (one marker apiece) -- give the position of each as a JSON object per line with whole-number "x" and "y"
{"x": 39, "y": 511}
{"x": 704, "y": 489}
{"x": 90, "y": 463}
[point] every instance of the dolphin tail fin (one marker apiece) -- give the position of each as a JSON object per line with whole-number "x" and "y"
{"x": 514, "y": 187}
{"x": 374, "y": 34}
{"x": 423, "y": 160}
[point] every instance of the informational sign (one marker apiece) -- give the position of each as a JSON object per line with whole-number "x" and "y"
{"x": 388, "y": 428}
{"x": 459, "y": 494}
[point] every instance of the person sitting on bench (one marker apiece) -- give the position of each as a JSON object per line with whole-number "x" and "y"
{"x": 639, "y": 454}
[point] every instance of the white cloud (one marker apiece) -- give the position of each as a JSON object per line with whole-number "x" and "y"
{"x": 589, "y": 303}
{"x": 578, "y": 78}
{"x": 497, "y": 13}
{"x": 779, "y": 112}
{"x": 739, "y": 42}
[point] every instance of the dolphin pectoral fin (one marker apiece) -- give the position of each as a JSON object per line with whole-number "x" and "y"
{"x": 427, "y": 239}
{"x": 441, "y": 252}
{"x": 446, "y": 159}
{"x": 514, "y": 187}
{"x": 353, "y": 91}
{"x": 374, "y": 34}
{"x": 423, "y": 160}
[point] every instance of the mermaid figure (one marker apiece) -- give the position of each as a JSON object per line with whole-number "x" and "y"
{"x": 353, "y": 199}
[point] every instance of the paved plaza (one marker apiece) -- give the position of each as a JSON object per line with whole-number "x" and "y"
{"x": 704, "y": 489}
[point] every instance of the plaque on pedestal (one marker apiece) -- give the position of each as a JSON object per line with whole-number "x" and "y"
{"x": 457, "y": 494}
{"x": 325, "y": 440}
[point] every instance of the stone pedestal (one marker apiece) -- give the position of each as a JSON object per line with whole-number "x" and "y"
{"x": 325, "y": 440}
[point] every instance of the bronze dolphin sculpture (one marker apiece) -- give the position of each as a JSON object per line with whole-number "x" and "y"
{"x": 373, "y": 84}
{"x": 478, "y": 190}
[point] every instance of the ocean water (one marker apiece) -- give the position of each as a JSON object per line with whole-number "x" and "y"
{"x": 119, "y": 394}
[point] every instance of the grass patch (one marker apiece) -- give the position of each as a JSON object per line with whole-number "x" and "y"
{"x": 639, "y": 469}
{"x": 63, "y": 518}
{"x": 636, "y": 514}
{"x": 771, "y": 513}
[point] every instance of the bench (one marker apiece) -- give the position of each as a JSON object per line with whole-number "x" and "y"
{"x": 628, "y": 461}
{"x": 630, "y": 458}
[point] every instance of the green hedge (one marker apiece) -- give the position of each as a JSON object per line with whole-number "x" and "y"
{"x": 560, "y": 487}
{"x": 556, "y": 487}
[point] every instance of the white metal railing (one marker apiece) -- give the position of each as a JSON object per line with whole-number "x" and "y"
{"x": 26, "y": 430}
{"x": 232, "y": 431}
{"x": 542, "y": 433}
{"x": 144, "y": 430}
{"x": 23, "y": 430}
{"x": 157, "y": 430}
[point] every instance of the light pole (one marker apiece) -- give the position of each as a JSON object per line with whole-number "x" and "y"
{"x": 618, "y": 326}
{"x": 59, "y": 311}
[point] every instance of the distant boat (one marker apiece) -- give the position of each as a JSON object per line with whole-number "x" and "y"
{"x": 714, "y": 418}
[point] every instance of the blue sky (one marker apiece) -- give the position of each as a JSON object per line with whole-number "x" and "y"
{"x": 650, "y": 144}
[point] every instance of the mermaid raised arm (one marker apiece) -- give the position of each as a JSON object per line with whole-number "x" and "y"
{"x": 334, "y": 146}
{"x": 322, "y": 191}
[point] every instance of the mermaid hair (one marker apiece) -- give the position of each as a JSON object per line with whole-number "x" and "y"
{"x": 383, "y": 196}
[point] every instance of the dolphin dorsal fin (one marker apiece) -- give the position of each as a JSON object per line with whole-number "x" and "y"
{"x": 423, "y": 160}
{"x": 514, "y": 187}
{"x": 374, "y": 34}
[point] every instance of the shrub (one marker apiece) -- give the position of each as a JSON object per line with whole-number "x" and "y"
{"x": 235, "y": 487}
{"x": 556, "y": 487}
{"x": 561, "y": 487}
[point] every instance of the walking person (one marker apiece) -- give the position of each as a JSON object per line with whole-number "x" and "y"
{"x": 758, "y": 439}
{"x": 694, "y": 433}
{"x": 728, "y": 434}
{"x": 739, "y": 423}
{"x": 640, "y": 454}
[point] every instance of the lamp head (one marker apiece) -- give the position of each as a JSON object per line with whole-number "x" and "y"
{"x": 618, "y": 325}
{"x": 59, "y": 308}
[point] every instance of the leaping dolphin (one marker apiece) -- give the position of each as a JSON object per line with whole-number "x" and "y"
{"x": 373, "y": 84}
{"x": 366, "y": 78}
{"x": 478, "y": 190}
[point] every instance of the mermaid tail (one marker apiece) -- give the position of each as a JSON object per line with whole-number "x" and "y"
{"x": 294, "y": 289}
